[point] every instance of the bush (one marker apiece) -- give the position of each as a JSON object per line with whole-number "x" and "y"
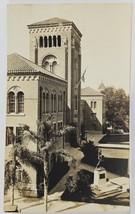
{"x": 90, "y": 152}
{"x": 77, "y": 187}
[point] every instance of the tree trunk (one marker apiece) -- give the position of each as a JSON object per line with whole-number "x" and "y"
{"x": 12, "y": 194}
{"x": 46, "y": 171}
{"x": 13, "y": 177}
{"x": 45, "y": 195}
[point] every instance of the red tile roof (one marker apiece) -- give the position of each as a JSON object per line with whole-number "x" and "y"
{"x": 18, "y": 64}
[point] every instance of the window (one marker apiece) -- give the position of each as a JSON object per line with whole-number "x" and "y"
{"x": 54, "y": 41}
{"x": 93, "y": 116}
{"x": 11, "y": 102}
{"x": 20, "y": 99}
{"x": 52, "y": 103}
{"x": 55, "y": 102}
{"x": 44, "y": 102}
{"x": 40, "y": 102}
{"x": 59, "y": 41}
{"x": 15, "y": 100}
{"x": 47, "y": 102}
{"x": 50, "y": 41}
{"x": 59, "y": 125}
{"x": 41, "y": 42}
{"x": 18, "y": 134}
{"x": 60, "y": 103}
{"x": 54, "y": 67}
{"x": 95, "y": 104}
{"x": 45, "y": 41}
{"x": 9, "y": 136}
{"x": 91, "y": 104}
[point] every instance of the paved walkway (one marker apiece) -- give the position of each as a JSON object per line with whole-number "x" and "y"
{"x": 78, "y": 155}
{"x": 54, "y": 202}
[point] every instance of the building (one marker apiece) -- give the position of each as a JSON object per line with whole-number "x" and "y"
{"x": 46, "y": 83}
{"x": 93, "y": 109}
{"x": 55, "y": 44}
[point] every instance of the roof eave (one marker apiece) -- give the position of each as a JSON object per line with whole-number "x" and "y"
{"x": 33, "y": 72}
{"x": 31, "y": 26}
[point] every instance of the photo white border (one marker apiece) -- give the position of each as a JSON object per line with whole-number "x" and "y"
{"x": 3, "y": 58}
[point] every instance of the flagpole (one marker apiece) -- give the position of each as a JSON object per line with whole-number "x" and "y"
{"x": 81, "y": 77}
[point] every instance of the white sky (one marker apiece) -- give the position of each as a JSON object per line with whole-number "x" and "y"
{"x": 106, "y": 30}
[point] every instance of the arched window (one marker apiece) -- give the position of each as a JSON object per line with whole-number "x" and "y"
{"x": 11, "y": 102}
{"x": 59, "y": 41}
{"x": 52, "y": 109}
{"x": 54, "y": 41}
{"x": 20, "y": 99}
{"x": 47, "y": 102}
{"x": 91, "y": 104}
{"x": 95, "y": 104}
{"x": 40, "y": 103}
{"x": 44, "y": 102}
{"x": 55, "y": 102}
{"x": 50, "y": 41}
{"x": 41, "y": 42}
{"x": 54, "y": 67}
{"x": 60, "y": 102}
{"x": 45, "y": 41}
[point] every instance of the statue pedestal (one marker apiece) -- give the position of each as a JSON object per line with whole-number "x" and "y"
{"x": 100, "y": 177}
{"x": 101, "y": 188}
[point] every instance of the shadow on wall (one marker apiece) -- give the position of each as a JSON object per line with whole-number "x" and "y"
{"x": 116, "y": 165}
{"x": 89, "y": 118}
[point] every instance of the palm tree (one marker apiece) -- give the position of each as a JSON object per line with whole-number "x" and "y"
{"x": 47, "y": 141}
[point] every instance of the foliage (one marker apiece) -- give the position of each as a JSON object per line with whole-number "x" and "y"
{"x": 78, "y": 186}
{"x": 70, "y": 131}
{"x": 117, "y": 106}
{"x": 90, "y": 152}
{"x": 25, "y": 179}
{"x": 47, "y": 140}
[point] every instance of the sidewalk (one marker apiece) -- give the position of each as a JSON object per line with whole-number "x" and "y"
{"x": 78, "y": 155}
{"x": 55, "y": 204}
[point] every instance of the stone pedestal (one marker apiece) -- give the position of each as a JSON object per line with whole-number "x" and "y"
{"x": 101, "y": 188}
{"x": 100, "y": 177}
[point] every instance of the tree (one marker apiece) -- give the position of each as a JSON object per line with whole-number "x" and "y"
{"x": 116, "y": 107}
{"x": 47, "y": 140}
{"x": 12, "y": 167}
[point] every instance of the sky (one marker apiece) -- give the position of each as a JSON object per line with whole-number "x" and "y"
{"x": 105, "y": 44}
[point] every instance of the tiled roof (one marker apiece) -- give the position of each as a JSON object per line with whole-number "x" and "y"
{"x": 54, "y": 20}
{"x": 18, "y": 64}
{"x": 90, "y": 92}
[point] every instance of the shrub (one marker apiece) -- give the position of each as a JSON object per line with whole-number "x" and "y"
{"x": 77, "y": 187}
{"x": 90, "y": 152}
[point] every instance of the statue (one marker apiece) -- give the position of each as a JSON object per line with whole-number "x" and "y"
{"x": 100, "y": 159}
{"x": 35, "y": 42}
{"x": 65, "y": 40}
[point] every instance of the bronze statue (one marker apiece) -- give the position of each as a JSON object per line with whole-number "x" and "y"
{"x": 100, "y": 159}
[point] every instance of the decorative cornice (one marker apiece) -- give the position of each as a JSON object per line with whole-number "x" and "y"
{"x": 39, "y": 77}
{"x": 22, "y": 78}
{"x": 50, "y": 29}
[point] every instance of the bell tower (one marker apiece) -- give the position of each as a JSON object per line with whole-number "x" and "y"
{"x": 55, "y": 44}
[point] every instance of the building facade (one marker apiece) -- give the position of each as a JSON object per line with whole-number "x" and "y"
{"x": 46, "y": 83}
{"x": 55, "y": 44}
{"x": 93, "y": 109}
